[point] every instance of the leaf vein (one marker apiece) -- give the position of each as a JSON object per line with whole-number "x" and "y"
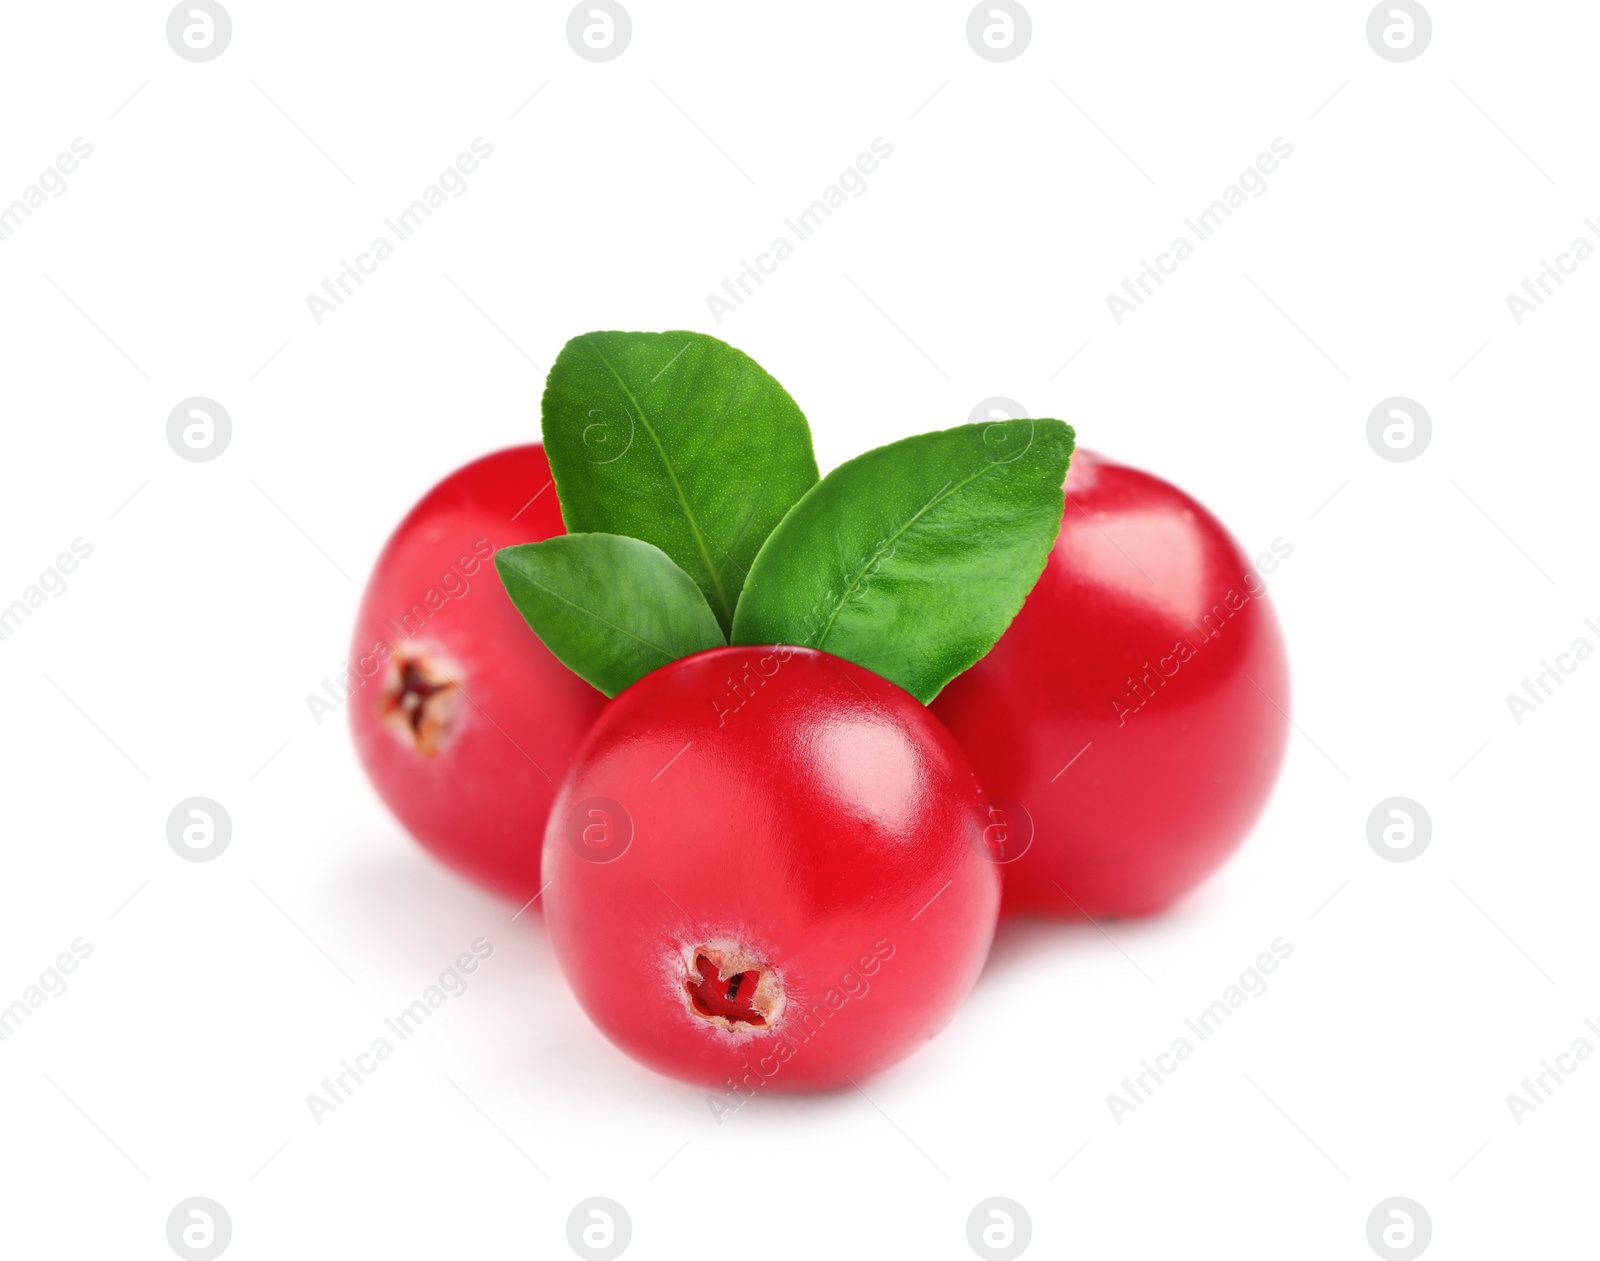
{"x": 944, "y": 492}
{"x": 672, "y": 474}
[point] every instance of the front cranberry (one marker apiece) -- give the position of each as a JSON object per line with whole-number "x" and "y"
{"x": 768, "y": 870}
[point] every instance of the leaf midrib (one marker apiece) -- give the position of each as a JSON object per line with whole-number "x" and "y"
{"x": 910, "y": 521}
{"x": 672, "y": 474}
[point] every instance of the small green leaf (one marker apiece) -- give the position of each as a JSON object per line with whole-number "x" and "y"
{"x": 611, "y": 608}
{"x": 680, "y": 440}
{"x": 912, "y": 560}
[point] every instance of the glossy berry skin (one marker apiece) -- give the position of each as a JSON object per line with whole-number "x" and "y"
{"x": 1149, "y": 658}
{"x": 464, "y": 721}
{"x": 768, "y": 872}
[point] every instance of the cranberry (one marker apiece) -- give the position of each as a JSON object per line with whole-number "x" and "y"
{"x": 1135, "y": 712}
{"x": 464, "y": 721}
{"x": 768, "y": 870}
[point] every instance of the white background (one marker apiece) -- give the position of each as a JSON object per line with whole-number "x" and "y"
{"x": 177, "y": 662}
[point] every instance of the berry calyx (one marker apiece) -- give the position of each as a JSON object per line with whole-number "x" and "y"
{"x": 421, "y": 701}
{"x": 732, "y": 989}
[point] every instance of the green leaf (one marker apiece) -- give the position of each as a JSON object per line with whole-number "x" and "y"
{"x": 611, "y": 608}
{"x": 680, "y": 440}
{"x": 912, "y": 560}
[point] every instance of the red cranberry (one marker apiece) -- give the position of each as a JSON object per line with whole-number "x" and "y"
{"x": 768, "y": 871}
{"x": 1135, "y": 712}
{"x": 463, "y": 719}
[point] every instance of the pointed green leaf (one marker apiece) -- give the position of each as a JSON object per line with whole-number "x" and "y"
{"x": 611, "y": 608}
{"x": 680, "y": 440}
{"x": 912, "y": 560}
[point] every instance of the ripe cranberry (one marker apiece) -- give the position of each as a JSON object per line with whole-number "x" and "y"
{"x": 464, "y": 721}
{"x": 1147, "y": 657}
{"x": 767, "y": 871}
